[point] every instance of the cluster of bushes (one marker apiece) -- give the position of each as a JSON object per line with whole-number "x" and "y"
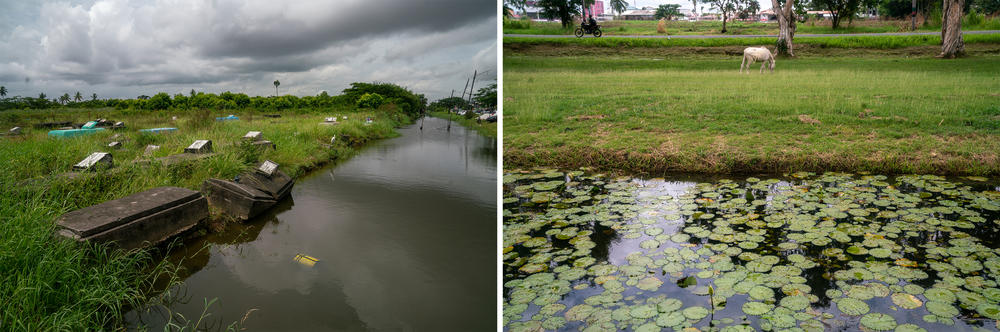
{"x": 364, "y": 95}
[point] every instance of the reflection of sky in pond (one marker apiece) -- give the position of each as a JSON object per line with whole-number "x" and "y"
{"x": 657, "y": 203}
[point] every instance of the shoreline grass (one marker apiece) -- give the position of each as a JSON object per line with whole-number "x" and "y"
{"x": 50, "y": 284}
{"x": 675, "y": 28}
{"x": 488, "y": 129}
{"x": 654, "y": 116}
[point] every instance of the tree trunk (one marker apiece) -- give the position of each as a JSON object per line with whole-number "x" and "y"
{"x": 724, "y": 21}
{"x": 951, "y": 29}
{"x": 786, "y": 27}
{"x": 836, "y": 20}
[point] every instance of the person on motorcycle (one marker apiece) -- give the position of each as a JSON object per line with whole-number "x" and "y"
{"x": 591, "y": 22}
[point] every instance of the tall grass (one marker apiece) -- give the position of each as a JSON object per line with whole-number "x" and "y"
{"x": 49, "y": 284}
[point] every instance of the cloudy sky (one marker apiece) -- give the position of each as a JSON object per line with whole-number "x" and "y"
{"x": 122, "y": 48}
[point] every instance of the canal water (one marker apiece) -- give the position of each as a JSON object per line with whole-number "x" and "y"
{"x": 404, "y": 233}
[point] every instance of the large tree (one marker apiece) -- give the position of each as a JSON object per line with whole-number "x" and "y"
{"x": 564, "y": 10}
{"x": 93, "y": 97}
{"x": 730, "y": 8}
{"x": 668, "y": 11}
{"x": 951, "y": 29}
{"x": 839, "y": 9}
{"x": 487, "y": 97}
{"x": 77, "y": 97}
{"x": 786, "y": 27}
{"x": 3, "y": 91}
{"x": 619, "y": 6}
{"x": 64, "y": 98}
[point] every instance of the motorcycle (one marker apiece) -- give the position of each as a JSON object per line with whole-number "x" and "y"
{"x": 586, "y": 29}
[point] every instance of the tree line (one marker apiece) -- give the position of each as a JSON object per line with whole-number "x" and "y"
{"x": 362, "y": 95}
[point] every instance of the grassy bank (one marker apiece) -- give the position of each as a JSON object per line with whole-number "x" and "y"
{"x": 883, "y": 114}
{"x": 648, "y": 28}
{"x": 868, "y": 42}
{"x": 488, "y": 129}
{"x": 49, "y": 284}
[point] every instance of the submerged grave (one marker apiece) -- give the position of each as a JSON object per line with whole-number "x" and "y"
{"x": 249, "y": 194}
{"x": 828, "y": 252}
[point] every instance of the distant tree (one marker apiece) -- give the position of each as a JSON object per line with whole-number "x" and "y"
{"x": 694, "y": 9}
{"x": 64, "y": 98}
{"x": 510, "y": 5}
{"x": 3, "y": 91}
{"x": 41, "y": 95}
{"x": 192, "y": 93}
{"x": 731, "y": 8}
{"x": 93, "y": 97}
{"x": 159, "y": 101}
{"x": 77, "y": 97}
{"x": 276, "y": 84}
{"x": 988, "y": 7}
{"x": 564, "y": 10}
{"x": 370, "y": 100}
{"x": 448, "y": 104}
{"x": 750, "y": 10}
{"x": 620, "y": 6}
{"x": 487, "y": 97}
{"x": 838, "y": 9}
{"x": 668, "y": 11}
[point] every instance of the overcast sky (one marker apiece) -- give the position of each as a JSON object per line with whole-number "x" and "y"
{"x": 122, "y": 48}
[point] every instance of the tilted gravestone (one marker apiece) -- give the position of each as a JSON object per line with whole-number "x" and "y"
{"x": 115, "y": 145}
{"x": 150, "y": 149}
{"x": 94, "y": 161}
{"x": 199, "y": 146}
{"x": 253, "y": 136}
{"x": 15, "y": 131}
{"x": 331, "y": 119}
{"x": 253, "y": 192}
{"x": 267, "y": 168}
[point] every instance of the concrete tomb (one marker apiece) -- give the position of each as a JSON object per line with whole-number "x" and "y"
{"x": 199, "y": 146}
{"x": 94, "y": 161}
{"x": 150, "y": 149}
{"x": 158, "y": 130}
{"x": 253, "y": 136}
{"x": 264, "y": 144}
{"x": 115, "y": 145}
{"x": 14, "y": 131}
{"x": 137, "y": 220}
{"x": 251, "y": 193}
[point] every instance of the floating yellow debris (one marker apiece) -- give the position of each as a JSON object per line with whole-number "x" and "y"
{"x": 306, "y": 260}
{"x": 906, "y": 262}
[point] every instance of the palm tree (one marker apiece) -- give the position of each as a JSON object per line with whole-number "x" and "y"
{"x": 93, "y": 97}
{"x": 64, "y": 98}
{"x": 3, "y": 91}
{"x": 619, "y": 6}
{"x": 78, "y": 97}
{"x": 41, "y": 95}
{"x": 276, "y": 84}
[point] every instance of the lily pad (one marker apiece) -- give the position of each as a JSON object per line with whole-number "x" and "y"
{"x": 852, "y": 307}
{"x": 795, "y": 303}
{"x": 877, "y": 321}
{"x": 942, "y": 309}
{"x": 906, "y": 301}
{"x": 756, "y": 308}
{"x": 695, "y": 313}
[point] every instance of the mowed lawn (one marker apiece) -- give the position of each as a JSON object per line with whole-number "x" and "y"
{"x": 640, "y": 114}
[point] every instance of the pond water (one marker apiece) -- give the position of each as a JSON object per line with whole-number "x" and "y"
{"x": 812, "y": 252}
{"x": 404, "y": 233}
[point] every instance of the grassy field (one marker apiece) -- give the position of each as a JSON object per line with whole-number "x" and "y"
{"x": 488, "y": 129}
{"x": 696, "y": 113}
{"x": 48, "y": 284}
{"x": 647, "y": 28}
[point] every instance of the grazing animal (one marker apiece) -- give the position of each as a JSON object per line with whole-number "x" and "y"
{"x": 757, "y": 54}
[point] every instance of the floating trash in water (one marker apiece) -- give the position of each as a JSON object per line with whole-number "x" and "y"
{"x": 602, "y": 252}
{"x": 306, "y": 260}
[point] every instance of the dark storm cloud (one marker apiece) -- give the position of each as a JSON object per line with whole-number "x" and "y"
{"x": 126, "y": 48}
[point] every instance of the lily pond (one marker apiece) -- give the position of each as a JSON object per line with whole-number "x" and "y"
{"x": 803, "y": 252}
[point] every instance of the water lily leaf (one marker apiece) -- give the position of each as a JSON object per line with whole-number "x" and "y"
{"x": 670, "y": 319}
{"x": 554, "y": 323}
{"x": 687, "y": 282}
{"x": 695, "y": 313}
{"x": 941, "y": 308}
{"x": 649, "y": 283}
{"x": 643, "y": 311}
{"x": 669, "y": 305}
{"x": 909, "y": 328}
{"x": 795, "y": 303}
{"x": 761, "y": 293}
{"x": 906, "y": 301}
{"x": 852, "y": 307}
{"x": 756, "y": 308}
{"x": 937, "y": 294}
{"x": 878, "y": 322}
{"x": 579, "y": 312}
{"x": 989, "y": 310}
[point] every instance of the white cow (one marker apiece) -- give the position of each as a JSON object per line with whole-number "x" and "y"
{"x": 757, "y": 54}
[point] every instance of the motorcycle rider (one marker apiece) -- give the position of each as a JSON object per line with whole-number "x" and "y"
{"x": 591, "y": 22}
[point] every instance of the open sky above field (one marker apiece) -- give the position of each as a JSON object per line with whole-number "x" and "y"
{"x": 121, "y": 48}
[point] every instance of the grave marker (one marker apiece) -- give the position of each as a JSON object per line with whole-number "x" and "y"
{"x": 253, "y": 136}
{"x": 150, "y": 149}
{"x": 94, "y": 161}
{"x": 15, "y": 131}
{"x": 199, "y": 146}
{"x": 115, "y": 145}
{"x": 267, "y": 168}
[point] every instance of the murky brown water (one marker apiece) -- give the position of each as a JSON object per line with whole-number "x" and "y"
{"x": 404, "y": 231}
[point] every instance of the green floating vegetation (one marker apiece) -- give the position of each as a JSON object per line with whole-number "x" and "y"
{"x": 555, "y": 252}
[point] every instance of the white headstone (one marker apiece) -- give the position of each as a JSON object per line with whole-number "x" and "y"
{"x": 115, "y": 145}
{"x": 150, "y": 149}
{"x": 119, "y": 124}
{"x": 331, "y": 119}
{"x": 345, "y": 117}
{"x": 267, "y": 168}
{"x": 333, "y": 139}
{"x": 174, "y": 118}
{"x": 94, "y": 160}
{"x": 199, "y": 146}
{"x": 15, "y": 131}
{"x": 253, "y": 136}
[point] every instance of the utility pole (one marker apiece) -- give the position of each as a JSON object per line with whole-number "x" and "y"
{"x": 466, "y": 87}
{"x": 471, "y": 88}
{"x": 913, "y": 15}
